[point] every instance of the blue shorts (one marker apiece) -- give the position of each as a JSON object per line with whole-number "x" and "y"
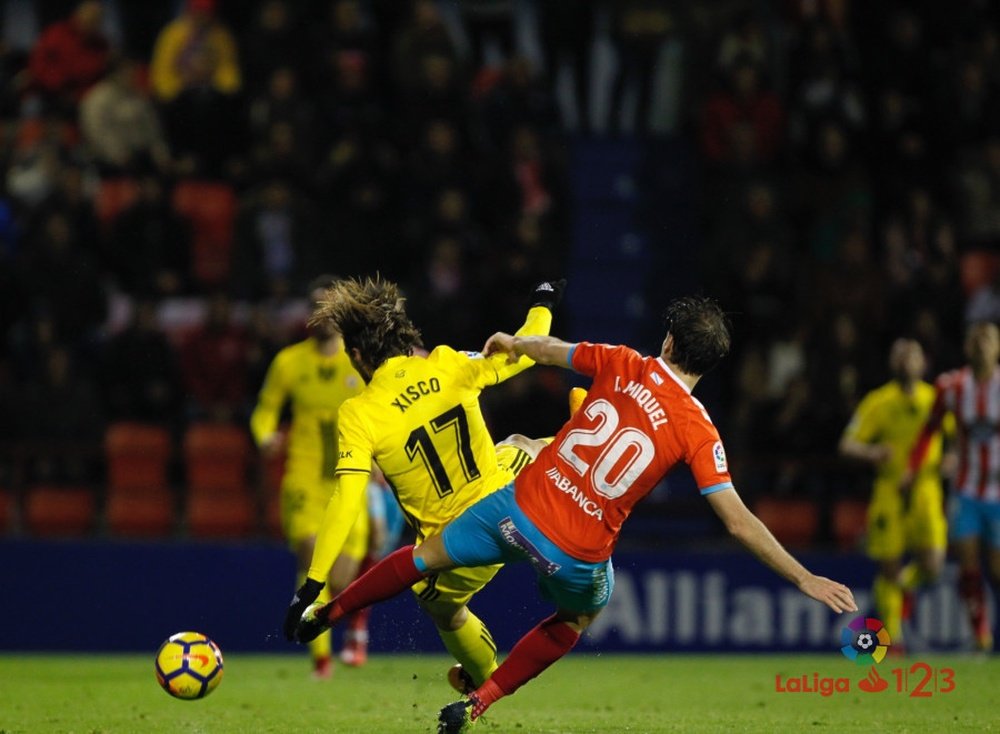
{"x": 971, "y": 517}
{"x": 495, "y": 530}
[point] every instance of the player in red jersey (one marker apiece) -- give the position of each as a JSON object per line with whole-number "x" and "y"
{"x": 564, "y": 512}
{"x": 972, "y": 395}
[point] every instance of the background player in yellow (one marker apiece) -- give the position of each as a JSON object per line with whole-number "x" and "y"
{"x": 315, "y": 376}
{"x": 882, "y": 431}
{"x": 419, "y": 419}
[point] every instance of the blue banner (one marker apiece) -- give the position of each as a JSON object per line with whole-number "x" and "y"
{"x": 110, "y": 596}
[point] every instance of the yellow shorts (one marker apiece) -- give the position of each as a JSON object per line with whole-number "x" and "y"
{"x": 453, "y": 588}
{"x": 895, "y": 528}
{"x": 303, "y": 503}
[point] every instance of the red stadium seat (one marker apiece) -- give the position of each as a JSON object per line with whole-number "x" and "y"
{"x": 145, "y": 513}
{"x": 214, "y": 515}
{"x": 137, "y": 455}
{"x": 113, "y": 196}
{"x": 211, "y": 208}
{"x": 216, "y": 457}
{"x": 849, "y": 522}
{"x": 6, "y": 510}
{"x": 794, "y": 522}
{"x": 60, "y": 510}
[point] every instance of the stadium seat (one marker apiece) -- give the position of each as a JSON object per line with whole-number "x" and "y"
{"x": 849, "y": 522}
{"x": 216, "y": 457}
{"x": 147, "y": 513}
{"x": 794, "y": 522}
{"x": 137, "y": 456}
{"x": 59, "y": 510}
{"x": 113, "y": 196}
{"x": 220, "y": 515}
{"x": 211, "y": 208}
{"x": 6, "y": 510}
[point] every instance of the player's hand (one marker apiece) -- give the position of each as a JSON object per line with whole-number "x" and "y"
{"x": 548, "y": 293}
{"x": 501, "y": 343}
{"x": 305, "y": 596}
{"x": 836, "y": 596}
{"x": 273, "y": 444}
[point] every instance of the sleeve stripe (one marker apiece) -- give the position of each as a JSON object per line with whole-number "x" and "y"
{"x": 716, "y": 488}
{"x": 348, "y": 470}
{"x": 569, "y": 355}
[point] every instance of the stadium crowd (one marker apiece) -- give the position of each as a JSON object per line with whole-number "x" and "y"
{"x": 172, "y": 180}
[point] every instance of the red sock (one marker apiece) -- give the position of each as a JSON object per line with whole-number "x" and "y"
{"x": 970, "y": 588}
{"x": 393, "y": 574}
{"x": 358, "y": 621}
{"x": 536, "y": 651}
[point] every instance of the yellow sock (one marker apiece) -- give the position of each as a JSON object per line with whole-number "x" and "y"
{"x": 321, "y": 646}
{"x": 472, "y": 645}
{"x": 889, "y": 603}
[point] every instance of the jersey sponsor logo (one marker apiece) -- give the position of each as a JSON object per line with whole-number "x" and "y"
{"x": 326, "y": 373}
{"x": 414, "y": 392}
{"x": 474, "y": 355}
{"x": 564, "y": 485}
{"x": 347, "y": 454}
{"x": 719, "y": 454}
{"x": 644, "y": 398}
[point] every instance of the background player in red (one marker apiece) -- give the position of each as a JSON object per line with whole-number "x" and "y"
{"x": 564, "y": 512}
{"x": 972, "y": 395}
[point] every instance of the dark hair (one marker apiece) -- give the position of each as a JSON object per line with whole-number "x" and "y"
{"x": 370, "y": 316}
{"x": 701, "y": 333}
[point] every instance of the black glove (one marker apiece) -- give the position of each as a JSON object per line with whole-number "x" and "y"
{"x": 548, "y": 293}
{"x": 305, "y": 596}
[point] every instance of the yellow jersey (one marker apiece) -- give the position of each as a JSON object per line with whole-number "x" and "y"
{"x": 316, "y": 385}
{"x": 419, "y": 419}
{"x": 887, "y": 415}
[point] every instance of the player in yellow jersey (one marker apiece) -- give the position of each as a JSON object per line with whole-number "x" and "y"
{"x": 315, "y": 376}
{"x": 419, "y": 419}
{"x": 882, "y": 432}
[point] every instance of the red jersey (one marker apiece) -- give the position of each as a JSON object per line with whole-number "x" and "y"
{"x": 976, "y": 407}
{"x": 638, "y": 421}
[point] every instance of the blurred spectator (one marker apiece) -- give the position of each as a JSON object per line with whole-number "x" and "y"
{"x": 423, "y": 35}
{"x": 70, "y": 57}
{"x": 742, "y": 108}
{"x": 71, "y": 198}
{"x": 639, "y": 29}
{"x": 744, "y": 40}
{"x": 213, "y": 359}
{"x": 59, "y": 409}
{"x": 977, "y": 195}
{"x": 276, "y": 252}
{"x": 488, "y": 21}
{"x": 120, "y": 125}
{"x": 195, "y": 41}
{"x": 139, "y": 370}
{"x": 273, "y": 42}
{"x": 204, "y": 124}
{"x": 516, "y": 96}
{"x": 149, "y": 250}
{"x": 34, "y": 167}
{"x": 282, "y": 102}
{"x": 567, "y": 33}
{"x": 349, "y": 99}
{"x": 345, "y": 39}
{"x": 65, "y": 282}
{"x": 437, "y": 92}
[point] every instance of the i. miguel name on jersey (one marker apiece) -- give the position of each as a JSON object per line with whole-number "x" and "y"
{"x": 645, "y": 400}
{"x": 566, "y": 486}
{"x": 414, "y": 392}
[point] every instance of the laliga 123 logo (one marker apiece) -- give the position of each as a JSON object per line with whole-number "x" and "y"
{"x": 865, "y": 641}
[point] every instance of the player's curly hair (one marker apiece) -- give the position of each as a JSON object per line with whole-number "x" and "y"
{"x": 701, "y": 333}
{"x": 371, "y": 316}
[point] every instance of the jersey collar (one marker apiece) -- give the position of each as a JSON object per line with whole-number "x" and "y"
{"x": 673, "y": 375}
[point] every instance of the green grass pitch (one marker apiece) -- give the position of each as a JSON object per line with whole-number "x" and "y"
{"x": 402, "y": 693}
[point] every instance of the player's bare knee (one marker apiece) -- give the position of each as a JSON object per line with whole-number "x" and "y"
{"x": 579, "y": 621}
{"x": 432, "y": 554}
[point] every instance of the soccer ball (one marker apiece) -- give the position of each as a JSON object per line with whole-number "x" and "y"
{"x": 189, "y": 665}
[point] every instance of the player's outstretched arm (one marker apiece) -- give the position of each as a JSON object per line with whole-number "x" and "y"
{"x": 349, "y": 495}
{"x": 751, "y": 532}
{"x": 544, "y": 298}
{"x": 541, "y": 349}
